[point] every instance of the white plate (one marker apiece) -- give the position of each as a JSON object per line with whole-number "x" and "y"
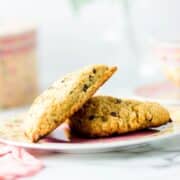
{"x": 102, "y": 145}
{"x": 82, "y": 145}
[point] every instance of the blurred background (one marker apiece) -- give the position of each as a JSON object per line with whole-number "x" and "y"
{"x": 74, "y": 33}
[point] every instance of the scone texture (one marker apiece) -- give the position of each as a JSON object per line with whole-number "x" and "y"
{"x": 104, "y": 116}
{"x": 63, "y": 99}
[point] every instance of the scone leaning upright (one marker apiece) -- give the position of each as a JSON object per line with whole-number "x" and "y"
{"x": 63, "y": 98}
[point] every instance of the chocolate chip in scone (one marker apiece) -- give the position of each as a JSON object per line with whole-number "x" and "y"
{"x": 70, "y": 92}
{"x": 90, "y": 77}
{"x": 103, "y": 119}
{"x": 113, "y": 114}
{"x": 62, "y": 81}
{"x": 56, "y": 121}
{"x": 150, "y": 119}
{"x": 118, "y": 101}
{"x": 91, "y": 117}
{"x": 94, "y": 71}
{"x": 85, "y": 87}
{"x": 170, "y": 120}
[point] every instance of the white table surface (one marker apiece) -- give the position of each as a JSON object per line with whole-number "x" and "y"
{"x": 95, "y": 34}
{"x": 154, "y": 161}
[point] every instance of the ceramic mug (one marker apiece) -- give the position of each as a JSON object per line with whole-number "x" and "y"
{"x": 18, "y": 74}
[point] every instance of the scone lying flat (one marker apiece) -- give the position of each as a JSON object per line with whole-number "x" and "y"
{"x": 64, "y": 98}
{"x": 105, "y": 116}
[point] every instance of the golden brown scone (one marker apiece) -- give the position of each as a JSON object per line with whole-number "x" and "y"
{"x": 64, "y": 98}
{"x": 105, "y": 116}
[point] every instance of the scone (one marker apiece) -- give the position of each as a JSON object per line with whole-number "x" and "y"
{"x": 64, "y": 98}
{"x": 105, "y": 116}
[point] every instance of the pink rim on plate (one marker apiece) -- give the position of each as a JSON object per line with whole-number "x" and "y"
{"x": 116, "y": 143}
{"x": 12, "y": 133}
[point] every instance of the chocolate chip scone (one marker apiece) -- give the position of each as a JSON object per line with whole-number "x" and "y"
{"x": 64, "y": 98}
{"x": 105, "y": 116}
